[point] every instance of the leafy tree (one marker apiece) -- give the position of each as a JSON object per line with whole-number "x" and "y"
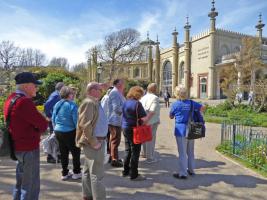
{"x": 249, "y": 63}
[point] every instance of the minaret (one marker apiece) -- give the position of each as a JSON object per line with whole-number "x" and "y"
{"x": 157, "y": 71}
{"x": 150, "y": 61}
{"x": 187, "y": 70}
{"x": 174, "y": 60}
{"x": 259, "y": 27}
{"x": 212, "y": 82}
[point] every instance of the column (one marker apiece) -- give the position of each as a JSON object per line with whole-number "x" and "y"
{"x": 157, "y": 65}
{"x": 211, "y": 79}
{"x": 187, "y": 68}
{"x": 174, "y": 60}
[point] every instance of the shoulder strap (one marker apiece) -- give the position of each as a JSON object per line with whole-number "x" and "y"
{"x": 12, "y": 103}
{"x": 190, "y": 112}
{"x": 60, "y": 107}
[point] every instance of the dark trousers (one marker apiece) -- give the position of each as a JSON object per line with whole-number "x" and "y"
{"x": 108, "y": 142}
{"x": 51, "y": 128}
{"x": 115, "y": 139}
{"x": 66, "y": 142}
{"x": 167, "y": 103}
{"x": 132, "y": 153}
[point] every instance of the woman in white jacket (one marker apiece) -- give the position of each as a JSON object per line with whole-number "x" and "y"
{"x": 151, "y": 105}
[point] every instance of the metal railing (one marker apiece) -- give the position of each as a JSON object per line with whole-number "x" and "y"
{"x": 245, "y": 142}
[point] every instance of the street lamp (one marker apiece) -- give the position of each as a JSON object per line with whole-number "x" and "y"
{"x": 99, "y": 71}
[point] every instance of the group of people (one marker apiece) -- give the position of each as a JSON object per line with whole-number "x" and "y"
{"x": 89, "y": 127}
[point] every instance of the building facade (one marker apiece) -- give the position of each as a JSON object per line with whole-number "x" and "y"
{"x": 196, "y": 63}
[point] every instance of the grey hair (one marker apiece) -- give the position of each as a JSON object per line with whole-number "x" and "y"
{"x": 65, "y": 92}
{"x": 92, "y": 85}
{"x": 180, "y": 92}
{"x": 59, "y": 85}
{"x": 152, "y": 87}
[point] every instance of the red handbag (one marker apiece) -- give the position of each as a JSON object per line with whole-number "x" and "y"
{"x": 143, "y": 133}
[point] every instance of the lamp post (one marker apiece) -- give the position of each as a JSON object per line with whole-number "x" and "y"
{"x": 99, "y": 71}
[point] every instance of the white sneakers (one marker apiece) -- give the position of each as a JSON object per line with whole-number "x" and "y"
{"x": 76, "y": 176}
{"x": 63, "y": 178}
{"x": 72, "y": 175}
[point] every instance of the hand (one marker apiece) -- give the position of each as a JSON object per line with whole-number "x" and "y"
{"x": 97, "y": 146}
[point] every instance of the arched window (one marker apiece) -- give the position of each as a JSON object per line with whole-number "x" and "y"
{"x": 167, "y": 77}
{"x": 203, "y": 87}
{"x": 181, "y": 73}
{"x": 137, "y": 72}
{"x": 237, "y": 49}
{"x": 224, "y": 50}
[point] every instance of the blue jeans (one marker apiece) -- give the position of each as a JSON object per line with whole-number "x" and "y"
{"x": 27, "y": 175}
{"x": 186, "y": 155}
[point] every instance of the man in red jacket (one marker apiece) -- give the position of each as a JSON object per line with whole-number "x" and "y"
{"x": 26, "y": 126}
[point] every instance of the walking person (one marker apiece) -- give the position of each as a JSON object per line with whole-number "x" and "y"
{"x": 64, "y": 120}
{"x": 53, "y": 98}
{"x": 26, "y": 126}
{"x": 180, "y": 110}
{"x": 91, "y": 135}
{"x": 116, "y": 100}
{"x": 167, "y": 96}
{"x": 151, "y": 104}
{"x": 131, "y": 109}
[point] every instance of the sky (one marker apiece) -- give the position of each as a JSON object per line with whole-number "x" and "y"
{"x": 68, "y": 28}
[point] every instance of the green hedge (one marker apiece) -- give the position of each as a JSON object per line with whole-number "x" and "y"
{"x": 226, "y": 111}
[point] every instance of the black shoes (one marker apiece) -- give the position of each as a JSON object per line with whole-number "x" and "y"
{"x": 116, "y": 163}
{"x": 125, "y": 174}
{"x": 51, "y": 160}
{"x": 176, "y": 175}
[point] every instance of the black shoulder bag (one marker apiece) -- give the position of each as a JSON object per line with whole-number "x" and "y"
{"x": 195, "y": 129}
{"x": 8, "y": 143}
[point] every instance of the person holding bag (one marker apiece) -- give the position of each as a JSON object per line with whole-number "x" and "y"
{"x": 181, "y": 111}
{"x": 130, "y": 110}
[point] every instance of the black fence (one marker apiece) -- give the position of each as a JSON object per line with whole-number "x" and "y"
{"x": 245, "y": 142}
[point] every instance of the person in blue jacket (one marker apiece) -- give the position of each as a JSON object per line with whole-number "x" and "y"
{"x": 180, "y": 110}
{"x": 53, "y": 98}
{"x": 64, "y": 119}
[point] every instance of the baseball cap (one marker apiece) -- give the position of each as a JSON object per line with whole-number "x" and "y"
{"x": 27, "y": 77}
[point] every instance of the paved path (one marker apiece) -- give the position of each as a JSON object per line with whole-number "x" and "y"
{"x": 217, "y": 177}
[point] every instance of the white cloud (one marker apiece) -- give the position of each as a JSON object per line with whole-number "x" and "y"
{"x": 52, "y": 36}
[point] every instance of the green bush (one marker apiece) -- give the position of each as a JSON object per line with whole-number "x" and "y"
{"x": 244, "y": 113}
{"x": 50, "y": 76}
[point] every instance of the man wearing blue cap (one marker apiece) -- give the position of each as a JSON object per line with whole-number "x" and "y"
{"x": 26, "y": 124}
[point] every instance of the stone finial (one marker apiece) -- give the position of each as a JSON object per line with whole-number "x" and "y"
{"x": 187, "y": 25}
{"x": 213, "y": 7}
{"x": 213, "y": 14}
{"x": 174, "y": 31}
{"x": 260, "y": 25}
{"x": 147, "y": 35}
{"x": 157, "y": 41}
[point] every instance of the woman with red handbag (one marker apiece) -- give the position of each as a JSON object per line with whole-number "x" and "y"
{"x": 132, "y": 112}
